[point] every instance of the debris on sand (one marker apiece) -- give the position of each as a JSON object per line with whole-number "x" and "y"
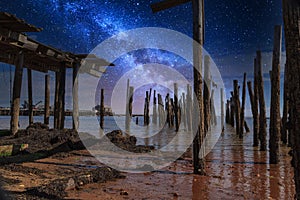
{"x": 127, "y": 142}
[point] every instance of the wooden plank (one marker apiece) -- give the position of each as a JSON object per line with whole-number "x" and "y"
{"x": 47, "y": 99}
{"x": 30, "y": 109}
{"x": 163, "y": 5}
{"x": 75, "y": 97}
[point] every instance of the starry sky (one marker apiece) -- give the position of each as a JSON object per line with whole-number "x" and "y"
{"x": 234, "y": 30}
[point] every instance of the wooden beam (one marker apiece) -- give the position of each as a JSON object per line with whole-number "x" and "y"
{"x": 163, "y": 5}
{"x": 14, "y": 123}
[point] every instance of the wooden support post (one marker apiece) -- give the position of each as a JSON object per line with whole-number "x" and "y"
{"x": 154, "y": 116}
{"x": 30, "y": 109}
{"x": 291, "y": 16}
{"x": 285, "y": 107}
{"x": 213, "y": 109}
{"x": 227, "y": 112}
{"x": 222, "y": 108}
{"x": 232, "y": 109}
{"x": 161, "y": 115}
{"x": 146, "y": 109}
{"x": 237, "y": 108}
{"x": 242, "y": 122}
{"x": 56, "y": 99}
{"x": 75, "y": 117}
{"x": 254, "y": 108}
{"x": 206, "y": 94}
{"x": 62, "y": 97}
{"x": 47, "y": 99}
{"x": 127, "y": 116}
{"x": 183, "y": 110}
{"x": 15, "y": 107}
{"x": 172, "y": 112}
{"x": 262, "y": 105}
{"x": 102, "y": 110}
{"x": 176, "y": 110}
{"x": 275, "y": 121}
{"x": 198, "y": 35}
{"x": 189, "y": 108}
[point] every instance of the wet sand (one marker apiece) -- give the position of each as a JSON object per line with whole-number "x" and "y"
{"x": 235, "y": 170}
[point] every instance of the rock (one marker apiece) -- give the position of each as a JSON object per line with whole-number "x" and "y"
{"x": 123, "y": 192}
{"x": 70, "y": 185}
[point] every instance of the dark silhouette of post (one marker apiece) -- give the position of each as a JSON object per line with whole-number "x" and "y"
{"x": 102, "y": 110}
{"x": 222, "y": 108}
{"x": 176, "y": 110}
{"x": 254, "y": 108}
{"x": 291, "y": 16}
{"x": 275, "y": 121}
{"x": 262, "y": 105}
{"x": 237, "y": 108}
{"x": 242, "y": 122}
{"x": 15, "y": 107}
{"x": 75, "y": 117}
{"x": 154, "y": 116}
{"x": 206, "y": 94}
{"x": 47, "y": 99}
{"x": 30, "y": 109}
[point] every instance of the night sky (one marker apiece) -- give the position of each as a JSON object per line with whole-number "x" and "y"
{"x": 234, "y": 30}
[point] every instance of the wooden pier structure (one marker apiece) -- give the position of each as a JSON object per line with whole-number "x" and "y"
{"x": 22, "y": 51}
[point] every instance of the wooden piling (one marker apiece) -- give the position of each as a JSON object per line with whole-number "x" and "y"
{"x": 62, "y": 97}
{"x": 254, "y": 108}
{"x": 222, "y": 108}
{"x": 227, "y": 112}
{"x": 284, "y": 130}
{"x": 213, "y": 115}
{"x": 275, "y": 121}
{"x": 232, "y": 110}
{"x": 242, "y": 122}
{"x": 206, "y": 94}
{"x": 154, "y": 116}
{"x": 175, "y": 108}
{"x": 127, "y": 116}
{"x": 198, "y": 35}
{"x": 237, "y": 108}
{"x": 75, "y": 117}
{"x": 291, "y": 16}
{"x": 15, "y": 107}
{"x": 102, "y": 108}
{"x": 161, "y": 114}
{"x": 146, "y": 109}
{"x": 30, "y": 109}
{"x": 47, "y": 100}
{"x": 189, "y": 108}
{"x": 262, "y": 105}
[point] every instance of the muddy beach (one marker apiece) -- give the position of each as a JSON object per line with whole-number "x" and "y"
{"x": 235, "y": 170}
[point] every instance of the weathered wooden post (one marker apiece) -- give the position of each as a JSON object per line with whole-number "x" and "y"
{"x": 227, "y": 112}
{"x": 175, "y": 108}
{"x": 222, "y": 108}
{"x": 262, "y": 105}
{"x": 206, "y": 94}
{"x": 15, "y": 107}
{"x": 131, "y": 90}
{"x": 275, "y": 121}
{"x": 254, "y": 108}
{"x": 285, "y": 106}
{"x": 198, "y": 36}
{"x": 183, "y": 110}
{"x": 127, "y": 117}
{"x": 62, "y": 97}
{"x": 161, "y": 114}
{"x": 189, "y": 108}
{"x": 30, "y": 110}
{"x": 242, "y": 122}
{"x": 172, "y": 112}
{"x": 232, "y": 110}
{"x": 75, "y": 97}
{"x": 146, "y": 108}
{"x": 291, "y": 16}
{"x": 237, "y": 108}
{"x": 154, "y": 116}
{"x": 213, "y": 115}
{"x": 102, "y": 108}
{"x": 47, "y": 99}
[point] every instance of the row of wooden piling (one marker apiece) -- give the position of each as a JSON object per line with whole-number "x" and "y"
{"x": 235, "y": 113}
